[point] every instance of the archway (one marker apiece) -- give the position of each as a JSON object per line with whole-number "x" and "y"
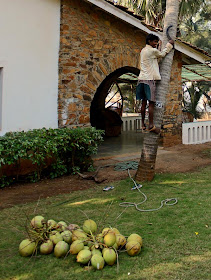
{"x": 107, "y": 104}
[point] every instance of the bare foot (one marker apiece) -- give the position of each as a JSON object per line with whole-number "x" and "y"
{"x": 154, "y": 129}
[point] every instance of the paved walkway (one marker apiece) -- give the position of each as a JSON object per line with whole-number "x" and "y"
{"x": 125, "y": 143}
{"x": 125, "y": 147}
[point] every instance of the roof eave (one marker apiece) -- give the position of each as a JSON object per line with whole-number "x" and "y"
{"x": 191, "y": 52}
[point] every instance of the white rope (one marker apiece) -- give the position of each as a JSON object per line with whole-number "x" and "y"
{"x": 167, "y": 201}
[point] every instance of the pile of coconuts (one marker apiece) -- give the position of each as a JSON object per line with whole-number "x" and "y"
{"x": 91, "y": 247}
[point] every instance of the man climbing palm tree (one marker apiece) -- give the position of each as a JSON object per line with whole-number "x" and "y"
{"x": 149, "y": 74}
{"x": 146, "y": 168}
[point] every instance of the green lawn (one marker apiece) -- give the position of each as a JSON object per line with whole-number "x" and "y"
{"x": 176, "y": 239}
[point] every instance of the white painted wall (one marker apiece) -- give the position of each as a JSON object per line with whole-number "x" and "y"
{"x": 196, "y": 132}
{"x": 29, "y": 48}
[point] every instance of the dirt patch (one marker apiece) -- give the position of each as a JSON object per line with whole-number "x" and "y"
{"x": 180, "y": 158}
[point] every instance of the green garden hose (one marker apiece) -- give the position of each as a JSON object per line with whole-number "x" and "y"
{"x": 126, "y": 165}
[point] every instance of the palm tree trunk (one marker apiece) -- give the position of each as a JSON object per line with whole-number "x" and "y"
{"x": 146, "y": 168}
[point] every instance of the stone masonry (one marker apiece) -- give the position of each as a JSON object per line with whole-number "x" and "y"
{"x": 93, "y": 44}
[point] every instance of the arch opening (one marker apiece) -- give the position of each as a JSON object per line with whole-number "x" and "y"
{"x": 114, "y": 96}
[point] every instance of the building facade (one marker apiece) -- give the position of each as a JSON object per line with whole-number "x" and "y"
{"x": 94, "y": 45}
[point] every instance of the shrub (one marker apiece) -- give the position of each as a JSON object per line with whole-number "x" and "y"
{"x": 50, "y": 152}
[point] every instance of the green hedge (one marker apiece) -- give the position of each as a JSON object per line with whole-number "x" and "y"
{"x": 67, "y": 150}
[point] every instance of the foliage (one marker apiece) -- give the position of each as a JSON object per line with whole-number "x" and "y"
{"x": 191, "y": 99}
{"x": 194, "y": 18}
{"x": 154, "y": 10}
{"x": 52, "y": 152}
{"x": 176, "y": 239}
{"x": 128, "y": 91}
{"x": 196, "y": 29}
{"x": 196, "y": 98}
{"x": 206, "y": 100}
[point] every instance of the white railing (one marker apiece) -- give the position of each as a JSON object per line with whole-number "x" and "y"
{"x": 196, "y": 132}
{"x": 131, "y": 122}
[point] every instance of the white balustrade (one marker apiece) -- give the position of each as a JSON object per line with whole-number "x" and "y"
{"x": 131, "y": 122}
{"x": 196, "y": 132}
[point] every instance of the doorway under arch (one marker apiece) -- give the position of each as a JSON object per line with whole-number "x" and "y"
{"x": 107, "y": 105}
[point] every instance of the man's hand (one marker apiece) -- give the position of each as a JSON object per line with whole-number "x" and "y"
{"x": 159, "y": 45}
{"x": 171, "y": 42}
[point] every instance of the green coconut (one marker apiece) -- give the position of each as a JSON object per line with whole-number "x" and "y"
{"x": 133, "y": 248}
{"x": 76, "y": 247}
{"x": 46, "y": 247}
{"x": 67, "y": 236}
{"x": 115, "y": 246}
{"x": 37, "y": 222}
{"x": 109, "y": 256}
{"x": 84, "y": 256}
{"x": 110, "y": 239}
{"x": 27, "y": 248}
{"x": 51, "y": 224}
{"x": 90, "y": 226}
{"x": 55, "y": 237}
{"x": 135, "y": 237}
{"x": 61, "y": 249}
{"x": 78, "y": 234}
{"x": 104, "y": 249}
{"x": 86, "y": 248}
{"x": 97, "y": 262}
{"x": 62, "y": 225}
{"x": 115, "y": 230}
{"x": 106, "y": 230}
{"x": 96, "y": 252}
{"x": 120, "y": 240}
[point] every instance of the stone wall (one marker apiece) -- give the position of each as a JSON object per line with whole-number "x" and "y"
{"x": 173, "y": 116}
{"x": 94, "y": 44}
